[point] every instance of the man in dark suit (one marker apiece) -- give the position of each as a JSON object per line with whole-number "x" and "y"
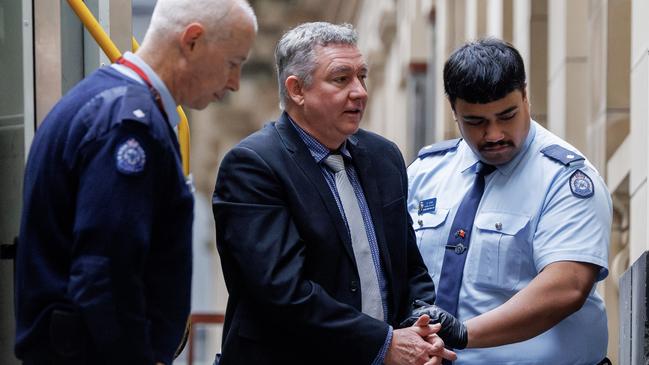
{"x": 316, "y": 245}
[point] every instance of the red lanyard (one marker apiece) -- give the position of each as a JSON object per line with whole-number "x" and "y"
{"x": 156, "y": 95}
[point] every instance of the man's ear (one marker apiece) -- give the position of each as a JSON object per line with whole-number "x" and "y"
{"x": 524, "y": 93}
{"x": 294, "y": 89}
{"x": 190, "y": 37}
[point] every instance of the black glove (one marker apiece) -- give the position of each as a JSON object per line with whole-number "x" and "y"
{"x": 453, "y": 331}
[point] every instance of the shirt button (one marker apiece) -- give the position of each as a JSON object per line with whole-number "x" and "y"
{"x": 421, "y": 223}
{"x": 499, "y": 226}
{"x": 353, "y": 286}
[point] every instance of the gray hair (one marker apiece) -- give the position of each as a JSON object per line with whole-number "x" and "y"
{"x": 171, "y": 17}
{"x": 295, "y": 52}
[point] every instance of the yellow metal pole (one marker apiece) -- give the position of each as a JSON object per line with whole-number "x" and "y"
{"x": 183, "y": 138}
{"x": 113, "y": 53}
{"x": 134, "y": 44}
{"x": 95, "y": 29}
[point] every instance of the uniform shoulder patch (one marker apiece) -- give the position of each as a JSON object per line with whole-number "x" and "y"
{"x": 439, "y": 148}
{"x": 130, "y": 157}
{"x": 581, "y": 185}
{"x": 561, "y": 154}
{"x": 135, "y": 105}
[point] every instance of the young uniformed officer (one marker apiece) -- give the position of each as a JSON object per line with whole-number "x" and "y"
{"x": 103, "y": 268}
{"x": 512, "y": 222}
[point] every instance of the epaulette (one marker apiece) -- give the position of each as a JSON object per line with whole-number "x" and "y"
{"x": 561, "y": 154}
{"x": 135, "y": 105}
{"x": 439, "y": 148}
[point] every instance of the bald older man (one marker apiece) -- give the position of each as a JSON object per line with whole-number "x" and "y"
{"x": 103, "y": 269}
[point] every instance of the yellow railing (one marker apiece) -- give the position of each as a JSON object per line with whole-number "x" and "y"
{"x": 109, "y": 48}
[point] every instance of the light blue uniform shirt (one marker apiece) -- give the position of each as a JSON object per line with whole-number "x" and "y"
{"x": 528, "y": 218}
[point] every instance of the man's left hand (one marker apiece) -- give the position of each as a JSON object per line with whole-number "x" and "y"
{"x": 443, "y": 353}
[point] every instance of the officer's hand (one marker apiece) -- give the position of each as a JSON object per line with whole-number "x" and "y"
{"x": 453, "y": 332}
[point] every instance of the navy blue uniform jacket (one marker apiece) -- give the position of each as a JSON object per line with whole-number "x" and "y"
{"x": 287, "y": 257}
{"x": 111, "y": 246}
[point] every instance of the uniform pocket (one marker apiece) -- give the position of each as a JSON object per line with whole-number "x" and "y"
{"x": 500, "y": 250}
{"x": 431, "y": 239}
{"x": 429, "y": 220}
{"x": 91, "y": 289}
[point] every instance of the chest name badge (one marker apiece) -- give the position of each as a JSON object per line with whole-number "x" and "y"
{"x": 581, "y": 185}
{"x": 131, "y": 157}
{"x": 427, "y": 206}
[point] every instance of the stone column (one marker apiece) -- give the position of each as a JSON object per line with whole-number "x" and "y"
{"x": 639, "y": 132}
{"x": 521, "y": 29}
{"x": 495, "y": 18}
{"x": 445, "y": 42}
{"x": 618, "y": 66}
{"x": 537, "y": 70}
{"x": 568, "y": 74}
{"x": 471, "y": 19}
{"x": 610, "y": 48}
{"x": 597, "y": 108}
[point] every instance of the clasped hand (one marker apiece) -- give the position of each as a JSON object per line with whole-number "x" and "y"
{"x": 453, "y": 332}
{"x": 418, "y": 344}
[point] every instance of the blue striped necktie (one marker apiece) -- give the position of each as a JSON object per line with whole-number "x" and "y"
{"x": 457, "y": 246}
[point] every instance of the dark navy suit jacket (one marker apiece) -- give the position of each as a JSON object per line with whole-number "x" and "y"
{"x": 287, "y": 256}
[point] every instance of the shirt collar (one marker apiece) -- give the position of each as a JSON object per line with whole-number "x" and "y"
{"x": 317, "y": 149}
{"x": 470, "y": 159}
{"x": 168, "y": 102}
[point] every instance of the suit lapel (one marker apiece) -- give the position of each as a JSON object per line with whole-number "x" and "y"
{"x": 306, "y": 163}
{"x": 366, "y": 174}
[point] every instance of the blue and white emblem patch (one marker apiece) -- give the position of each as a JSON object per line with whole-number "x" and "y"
{"x": 131, "y": 157}
{"x": 581, "y": 185}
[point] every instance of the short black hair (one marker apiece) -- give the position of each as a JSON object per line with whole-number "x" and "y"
{"x": 483, "y": 71}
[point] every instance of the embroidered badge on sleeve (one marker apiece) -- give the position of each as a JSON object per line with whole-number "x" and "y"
{"x": 581, "y": 185}
{"x": 131, "y": 157}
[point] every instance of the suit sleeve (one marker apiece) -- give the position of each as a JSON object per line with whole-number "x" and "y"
{"x": 263, "y": 258}
{"x": 420, "y": 284}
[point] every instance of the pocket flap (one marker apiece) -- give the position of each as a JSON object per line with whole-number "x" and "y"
{"x": 506, "y": 223}
{"x": 429, "y": 220}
